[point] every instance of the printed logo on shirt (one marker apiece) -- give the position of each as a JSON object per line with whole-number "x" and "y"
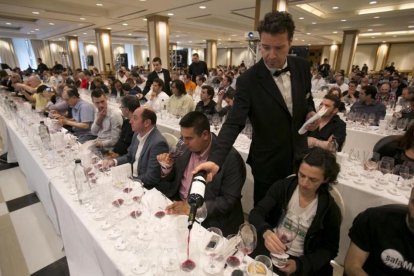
{"x": 393, "y": 259}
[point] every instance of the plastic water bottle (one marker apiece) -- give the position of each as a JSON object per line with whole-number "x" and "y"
{"x": 81, "y": 182}
{"x": 44, "y": 135}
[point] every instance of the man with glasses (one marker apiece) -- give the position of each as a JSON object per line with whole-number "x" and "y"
{"x": 83, "y": 114}
{"x": 275, "y": 94}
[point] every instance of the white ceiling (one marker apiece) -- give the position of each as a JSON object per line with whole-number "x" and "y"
{"x": 225, "y": 20}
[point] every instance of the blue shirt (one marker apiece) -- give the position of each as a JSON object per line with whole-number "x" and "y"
{"x": 83, "y": 112}
{"x": 377, "y": 108}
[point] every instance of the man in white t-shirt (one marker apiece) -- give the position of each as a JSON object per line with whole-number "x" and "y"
{"x": 157, "y": 98}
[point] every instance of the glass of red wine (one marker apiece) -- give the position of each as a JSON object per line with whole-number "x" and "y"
{"x": 248, "y": 239}
{"x": 286, "y": 231}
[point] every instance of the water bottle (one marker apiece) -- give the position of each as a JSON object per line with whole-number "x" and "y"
{"x": 44, "y": 135}
{"x": 196, "y": 195}
{"x": 81, "y": 182}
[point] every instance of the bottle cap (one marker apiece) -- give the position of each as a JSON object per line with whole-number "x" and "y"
{"x": 42, "y": 122}
{"x": 77, "y": 161}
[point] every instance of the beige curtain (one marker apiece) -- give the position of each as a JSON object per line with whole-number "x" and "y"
{"x": 140, "y": 55}
{"x": 41, "y": 50}
{"x": 59, "y": 52}
{"x": 7, "y": 54}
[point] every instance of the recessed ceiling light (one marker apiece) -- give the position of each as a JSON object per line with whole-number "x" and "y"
{"x": 303, "y": 40}
{"x": 229, "y": 38}
{"x": 334, "y": 32}
{"x": 313, "y": 23}
{"x": 82, "y": 18}
{"x": 219, "y": 39}
{"x": 372, "y": 2}
{"x": 170, "y": 14}
{"x": 109, "y": 28}
{"x": 8, "y": 23}
{"x": 343, "y": 20}
{"x": 144, "y": 19}
{"x": 60, "y": 38}
{"x": 301, "y": 18}
{"x": 233, "y": 35}
{"x": 308, "y": 33}
{"x": 190, "y": 41}
{"x": 178, "y": 42}
{"x": 147, "y": 39}
{"x": 75, "y": 35}
{"x": 411, "y": 26}
{"x": 370, "y": 30}
{"x": 129, "y": 34}
{"x": 32, "y": 31}
{"x": 202, "y": 7}
{"x": 335, "y": 7}
{"x": 376, "y": 17}
{"x": 51, "y": 23}
{"x": 36, "y": 29}
{"x": 309, "y": 44}
{"x": 85, "y": 33}
{"x": 384, "y": 41}
{"x": 99, "y": 4}
{"x": 142, "y": 0}
{"x": 35, "y": 12}
{"x": 124, "y": 24}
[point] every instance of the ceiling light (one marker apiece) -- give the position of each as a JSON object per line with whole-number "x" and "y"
{"x": 170, "y": 14}
{"x": 60, "y": 38}
{"x": 376, "y": 17}
{"x": 369, "y": 34}
{"x": 335, "y": 7}
{"x": 202, "y": 7}
{"x": 124, "y": 24}
{"x": 334, "y": 32}
{"x": 142, "y": 0}
{"x": 309, "y": 44}
{"x": 308, "y": 33}
{"x": 372, "y": 2}
{"x": 303, "y": 40}
{"x": 129, "y": 34}
{"x": 32, "y": 31}
{"x": 384, "y": 41}
{"x": 144, "y": 19}
{"x": 82, "y": 18}
{"x": 36, "y": 29}
{"x": 313, "y": 23}
{"x": 85, "y": 33}
{"x": 343, "y": 20}
{"x": 99, "y": 4}
{"x": 51, "y": 23}
{"x": 35, "y": 12}
{"x": 411, "y": 26}
{"x": 109, "y": 28}
{"x": 219, "y": 39}
{"x": 233, "y": 35}
{"x": 301, "y": 18}
{"x": 8, "y": 23}
{"x": 370, "y": 30}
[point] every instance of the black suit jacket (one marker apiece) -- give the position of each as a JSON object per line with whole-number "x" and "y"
{"x": 222, "y": 196}
{"x": 152, "y": 76}
{"x": 276, "y": 143}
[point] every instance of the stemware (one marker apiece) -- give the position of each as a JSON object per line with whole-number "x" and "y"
{"x": 385, "y": 166}
{"x": 212, "y": 248}
{"x": 286, "y": 231}
{"x": 402, "y": 124}
{"x": 248, "y": 239}
{"x": 216, "y": 121}
{"x": 201, "y": 215}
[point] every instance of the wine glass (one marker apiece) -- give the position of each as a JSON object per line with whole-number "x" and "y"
{"x": 216, "y": 121}
{"x": 177, "y": 150}
{"x": 385, "y": 167}
{"x": 402, "y": 124}
{"x": 405, "y": 173}
{"x": 248, "y": 239}
{"x": 286, "y": 231}
{"x": 235, "y": 259}
{"x": 201, "y": 215}
{"x": 212, "y": 249}
{"x": 169, "y": 260}
{"x": 371, "y": 119}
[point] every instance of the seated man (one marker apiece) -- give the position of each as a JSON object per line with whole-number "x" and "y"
{"x": 30, "y": 86}
{"x": 83, "y": 115}
{"x": 157, "y": 98}
{"x": 107, "y": 124}
{"x": 207, "y": 105}
{"x": 146, "y": 144}
{"x": 382, "y": 241}
{"x": 384, "y": 96}
{"x": 228, "y": 97}
{"x": 368, "y": 105}
{"x": 223, "y": 194}
{"x": 128, "y": 105}
{"x": 329, "y": 128}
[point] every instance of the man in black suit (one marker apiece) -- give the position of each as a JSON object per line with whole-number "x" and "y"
{"x": 197, "y": 67}
{"x": 159, "y": 73}
{"x": 275, "y": 94}
{"x": 223, "y": 195}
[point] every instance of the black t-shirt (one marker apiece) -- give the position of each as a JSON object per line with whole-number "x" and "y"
{"x": 335, "y": 127}
{"x": 383, "y": 232}
{"x": 209, "y": 109}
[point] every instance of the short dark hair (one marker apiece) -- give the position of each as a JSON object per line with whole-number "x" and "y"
{"x": 202, "y": 78}
{"x": 353, "y": 82}
{"x": 210, "y": 90}
{"x": 277, "y": 22}
{"x": 97, "y": 93}
{"x": 179, "y": 84}
{"x": 131, "y": 102}
{"x": 126, "y": 86}
{"x": 333, "y": 98}
{"x": 160, "y": 82}
{"x": 42, "y": 88}
{"x": 87, "y": 72}
{"x": 195, "y": 55}
{"x": 229, "y": 94}
{"x": 157, "y": 59}
{"x": 325, "y": 160}
{"x": 370, "y": 90}
{"x": 196, "y": 120}
{"x": 149, "y": 114}
{"x": 229, "y": 78}
{"x": 72, "y": 91}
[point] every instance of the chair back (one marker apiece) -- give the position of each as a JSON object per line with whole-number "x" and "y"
{"x": 171, "y": 139}
{"x": 387, "y": 146}
{"x": 338, "y": 200}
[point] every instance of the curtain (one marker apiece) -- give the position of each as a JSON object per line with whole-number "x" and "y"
{"x": 41, "y": 50}
{"x": 7, "y": 54}
{"x": 140, "y": 55}
{"x": 59, "y": 52}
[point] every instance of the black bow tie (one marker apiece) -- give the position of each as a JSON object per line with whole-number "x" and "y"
{"x": 279, "y": 72}
{"x": 160, "y": 72}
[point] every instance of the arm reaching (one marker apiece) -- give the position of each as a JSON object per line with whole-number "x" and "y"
{"x": 210, "y": 167}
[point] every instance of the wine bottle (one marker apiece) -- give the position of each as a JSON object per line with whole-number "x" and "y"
{"x": 196, "y": 195}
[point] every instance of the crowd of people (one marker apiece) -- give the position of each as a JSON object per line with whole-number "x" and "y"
{"x": 275, "y": 97}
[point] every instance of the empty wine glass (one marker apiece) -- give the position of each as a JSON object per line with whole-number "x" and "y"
{"x": 201, "y": 215}
{"x": 402, "y": 124}
{"x": 371, "y": 119}
{"x": 286, "y": 231}
{"x": 406, "y": 175}
{"x": 216, "y": 121}
{"x": 212, "y": 249}
{"x": 385, "y": 167}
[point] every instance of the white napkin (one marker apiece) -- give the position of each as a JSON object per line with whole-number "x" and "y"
{"x": 315, "y": 117}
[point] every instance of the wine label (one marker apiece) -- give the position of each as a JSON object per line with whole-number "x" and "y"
{"x": 198, "y": 186}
